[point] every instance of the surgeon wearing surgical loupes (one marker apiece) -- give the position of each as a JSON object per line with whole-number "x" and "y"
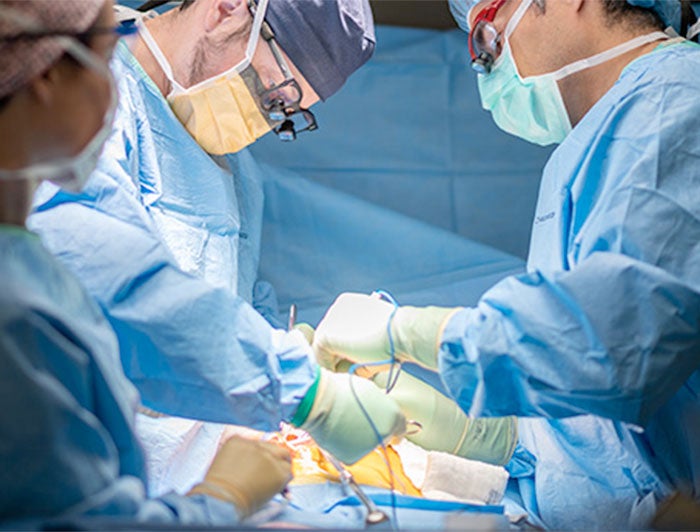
{"x": 166, "y": 233}
{"x": 596, "y": 346}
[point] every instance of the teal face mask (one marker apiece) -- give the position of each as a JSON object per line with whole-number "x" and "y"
{"x": 532, "y": 108}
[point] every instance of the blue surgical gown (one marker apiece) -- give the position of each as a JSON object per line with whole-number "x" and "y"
{"x": 166, "y": 239}
{"x": 606, "y": 321}
{"x": 68, "y": 448}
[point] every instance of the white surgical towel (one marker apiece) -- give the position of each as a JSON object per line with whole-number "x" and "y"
{"x": 178, "y": 451}
{"x": 446, "y": 477}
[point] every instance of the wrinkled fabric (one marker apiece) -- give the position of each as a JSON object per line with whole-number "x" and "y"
{"x": 442, "y": 164}
{"x": 606, "y": 321}
{"x": 167, "y": 242}
{"x": 68, "y": 444}
{"x": 332, "y": 506}
{"x": 179, "y": 451}
{"x": 314, "y": 235}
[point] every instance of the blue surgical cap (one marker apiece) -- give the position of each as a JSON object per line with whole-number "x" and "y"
{"x": 326, "y": 39}
{"x": 668, "y": 10}
{"x": 460, "y": 9}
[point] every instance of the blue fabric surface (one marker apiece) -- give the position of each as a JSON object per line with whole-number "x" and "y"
{"x": 408, "y": 134}
{"x": 68, "y": 444}
{"x": 320, "y": 242}
{"x": 606, "y": 321}
{"x": 330, "y": 505}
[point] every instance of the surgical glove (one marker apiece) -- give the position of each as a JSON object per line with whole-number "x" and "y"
{"x": 355, "y": 329}
{"x": 247, "y": 473}
{"x": 307, "y": 330}
{"x": 445, "y": 427}
{"x": 331, "y": 414}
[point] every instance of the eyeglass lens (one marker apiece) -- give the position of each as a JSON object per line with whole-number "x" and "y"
{"x": 484, "y": 40}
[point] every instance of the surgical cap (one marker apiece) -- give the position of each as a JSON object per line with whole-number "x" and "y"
{"x": 668, "y": 10}
{"x": 326, "y": 39}
{"x": 460, "y": 11}
{"x": 24, "y": 59}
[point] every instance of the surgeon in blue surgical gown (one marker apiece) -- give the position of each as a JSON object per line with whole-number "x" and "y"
{"x": 166, "y": 234}
{"x": 68, "y": 449}
{"x": 597, "y": 345}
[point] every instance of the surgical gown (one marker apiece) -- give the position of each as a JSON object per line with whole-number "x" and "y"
{"x": 68, "y": 447}
{"x": 607, "y": 319}
{"x": 167, "y": 241}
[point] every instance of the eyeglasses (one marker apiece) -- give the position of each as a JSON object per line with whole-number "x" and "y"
{"x": 485, "y": 42}
{"x": 121, "y": 30}
{"x": 282, "y": 102}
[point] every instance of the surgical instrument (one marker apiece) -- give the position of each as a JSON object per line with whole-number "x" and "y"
{"x": 292, "y": 316}
{"x": 374, "y": 514}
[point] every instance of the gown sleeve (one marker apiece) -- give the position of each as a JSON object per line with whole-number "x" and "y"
{"x": 58, "y": 458}
{"x": 615, "y": 330}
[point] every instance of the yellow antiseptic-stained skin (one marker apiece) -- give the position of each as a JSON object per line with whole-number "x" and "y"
{"x": 309, "y": 466}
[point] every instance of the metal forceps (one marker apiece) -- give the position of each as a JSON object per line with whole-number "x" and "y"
{"x": 374, "y": 514}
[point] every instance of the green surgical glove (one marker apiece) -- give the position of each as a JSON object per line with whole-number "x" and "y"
{"x": 355, "y": 329}
{"x": 332, "y": 416}
{"x": 445, "y": 427}
{"x": 307, "y": 330}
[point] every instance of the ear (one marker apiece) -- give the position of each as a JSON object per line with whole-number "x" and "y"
{"x": 221, "y": 11}
{"x": 42, "y": 88}
{"x": 577, "y": 4}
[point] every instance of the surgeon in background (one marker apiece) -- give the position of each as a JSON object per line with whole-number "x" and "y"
{"x": 166, "y": 234}
{"x": 597, "y": 345}
{"x": 68, "y": 445}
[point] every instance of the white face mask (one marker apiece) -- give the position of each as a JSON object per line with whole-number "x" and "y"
{"x": 71, "y": 173}
{"x": 532, "y": 108}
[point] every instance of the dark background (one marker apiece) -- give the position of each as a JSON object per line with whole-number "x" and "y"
{"x": 416, "y": 13}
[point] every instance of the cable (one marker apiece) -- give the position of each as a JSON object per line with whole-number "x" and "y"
{"x": 391, "y": 382}
{"x": 385, "y": 453}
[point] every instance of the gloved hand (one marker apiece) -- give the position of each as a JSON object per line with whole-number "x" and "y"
{"x": 307, "y": 330}
{"x": 445, "y": 427}
{"x": 355, "y": 328}
{"x": 247, "y": 473}
{"x": 332, "y": 416}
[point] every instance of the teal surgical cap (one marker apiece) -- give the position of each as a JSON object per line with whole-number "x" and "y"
{"x": 668, "y": 10}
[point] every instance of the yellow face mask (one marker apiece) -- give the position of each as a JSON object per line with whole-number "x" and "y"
{"x": 223, "y": 117}
{"x": 222, "y": 113}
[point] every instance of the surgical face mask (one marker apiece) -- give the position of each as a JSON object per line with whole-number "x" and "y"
{"x": 221, "y": 113}
{"x": 532, "y": 108}
{"x": 71, "y": 173}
